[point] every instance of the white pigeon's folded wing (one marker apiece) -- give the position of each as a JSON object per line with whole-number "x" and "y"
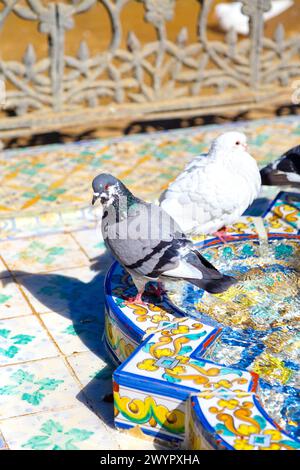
{"x": 201, "y": 198}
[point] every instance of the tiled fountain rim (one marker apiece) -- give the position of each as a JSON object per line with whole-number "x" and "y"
{"x": 195, "y": 403}
{"x": 140, "y": 336}
{"x": 137, "y": 332}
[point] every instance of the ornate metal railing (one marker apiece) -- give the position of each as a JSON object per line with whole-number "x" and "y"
{"x": 141, "y": 80}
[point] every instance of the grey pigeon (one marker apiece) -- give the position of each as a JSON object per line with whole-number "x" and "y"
{"x": 148, "y": 243}
{"x": 285, "y": 171}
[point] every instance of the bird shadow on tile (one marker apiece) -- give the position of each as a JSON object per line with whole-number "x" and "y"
{"x": 81, "y": 302}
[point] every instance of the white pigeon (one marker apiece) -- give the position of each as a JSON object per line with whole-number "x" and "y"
{"x": 230, "y": 15}
{"x": 215, "y": 189}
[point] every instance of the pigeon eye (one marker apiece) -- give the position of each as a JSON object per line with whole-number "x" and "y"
{"x": 106, "y": 187}
{"x": 237, "y": 143}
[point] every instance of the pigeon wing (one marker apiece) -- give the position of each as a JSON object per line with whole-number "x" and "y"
{"x": 147, "y": 241}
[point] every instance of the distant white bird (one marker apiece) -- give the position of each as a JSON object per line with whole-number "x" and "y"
{"x": 215, "y": 189}
{"x": 230, "y": 15}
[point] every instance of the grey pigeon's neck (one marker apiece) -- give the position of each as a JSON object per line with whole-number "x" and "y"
{"x": 124, "y": 194}
{"x": 121, "y": 201}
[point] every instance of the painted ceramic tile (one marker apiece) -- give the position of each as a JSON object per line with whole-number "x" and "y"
{"x": 30, "y": 225}
{"x": 283, "y": 215}
{"x": 77, "y": 292}
{"x": 140, "y": 318}
{"x": 245, "y": 225}
{"x": 240, "y": 422}
{"x": 24, "y": 339}
{"x": 49, "y": 222}
{"x": 74, "y": 429}
{"x": 12, "y": 301}
{"x": 172, "y": 358}
{"x": 155, "y": 414}
{"x": 118, "y": 342}
{"x": 127, "y": 442}
{"x": 36, "y": 386}
{"x": 42, "y": 254}
{"x": 251, "y": 303}
{"x": 79, "y": 335}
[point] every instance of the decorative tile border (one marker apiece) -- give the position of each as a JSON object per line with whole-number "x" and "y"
{"x": 165, "y": 369}
{"x": 234, "y": 421}
{"x": 283, "y": 215}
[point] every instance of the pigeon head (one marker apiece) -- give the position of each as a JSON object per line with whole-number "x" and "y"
{"x": 104, "y": 187}
{"x": 230, "y": 142}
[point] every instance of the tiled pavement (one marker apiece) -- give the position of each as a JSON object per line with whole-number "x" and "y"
{"x": 54, "y": 373}
{"x": 47, "y": 188}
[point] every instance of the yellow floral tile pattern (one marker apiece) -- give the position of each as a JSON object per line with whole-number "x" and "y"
{"x": 239, "y": 421}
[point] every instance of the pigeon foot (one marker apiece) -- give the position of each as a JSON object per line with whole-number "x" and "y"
{"x": 136, "y": 300}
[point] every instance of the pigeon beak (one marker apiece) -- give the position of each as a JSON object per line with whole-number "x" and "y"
{"x": 245, "y": 147}
{"x": 95, "y": 197}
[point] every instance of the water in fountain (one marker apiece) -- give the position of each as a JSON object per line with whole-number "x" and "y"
{"x": 259, "y": 316}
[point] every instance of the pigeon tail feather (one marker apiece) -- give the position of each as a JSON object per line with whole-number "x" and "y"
{"x": 212, "y": 281}
{"x": 214, "y": 286}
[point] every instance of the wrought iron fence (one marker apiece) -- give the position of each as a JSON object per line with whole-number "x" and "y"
{"x": 141, "y": 80}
